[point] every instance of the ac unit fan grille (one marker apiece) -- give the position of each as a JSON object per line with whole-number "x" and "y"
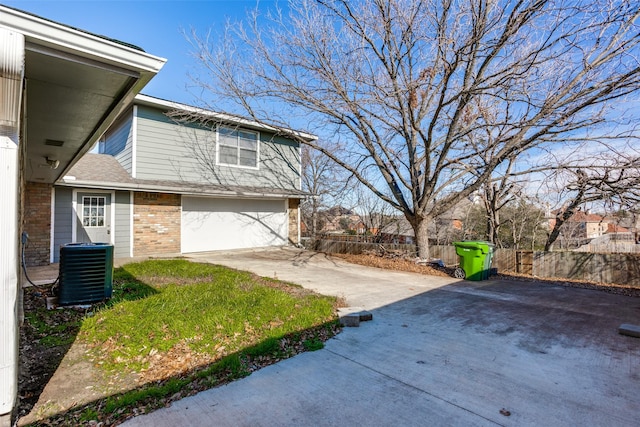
{"x": 86, "y": 273}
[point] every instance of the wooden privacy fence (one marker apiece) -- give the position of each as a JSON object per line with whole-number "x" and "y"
{"x": 357, "y": 248}
{"x": 619, "y": 268}
{"x": 503, "y": 259}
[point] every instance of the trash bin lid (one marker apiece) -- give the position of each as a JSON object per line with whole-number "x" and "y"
{"x": 485, "y": 247}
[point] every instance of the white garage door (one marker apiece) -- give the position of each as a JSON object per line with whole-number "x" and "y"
{"x": 212, "y": 224}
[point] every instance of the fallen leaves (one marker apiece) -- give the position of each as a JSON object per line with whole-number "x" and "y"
{"x": 175, "y": 362}
{"x": 396, "y": 264}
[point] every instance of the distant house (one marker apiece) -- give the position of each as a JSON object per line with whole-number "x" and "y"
{"x": 444, "y": 229}
{"x": 583, "y": 225}
{"x": 160, "y": 187}
{"x": 590, "y": 225}
{"x": 398, "y": 231}
{"x": 613, "y": 228}
{"x": 589, "y": 232}
{"x": 359, "y": 227}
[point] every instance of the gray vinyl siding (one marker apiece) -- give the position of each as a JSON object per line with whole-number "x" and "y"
{"x": 118, "y": 141}
{"x": 63, "y": 218}
{"x": 165, "y": 151}
{"x": 122, "y": 238}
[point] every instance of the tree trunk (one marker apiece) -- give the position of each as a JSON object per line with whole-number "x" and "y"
{"x": 420, "y": 228}
{"x": 561, "y": 218}
{"x": 492, "y": 227}
{"x": 493, "y": 220}
{"x": 551, "y": 238}
{"x": 314, "y": 219}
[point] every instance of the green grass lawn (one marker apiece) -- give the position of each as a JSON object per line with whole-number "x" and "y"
{"x": 184, "y": 327}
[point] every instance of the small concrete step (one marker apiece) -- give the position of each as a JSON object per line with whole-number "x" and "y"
{"x": 352, "y": 316}
{"x": 630, "y": 330}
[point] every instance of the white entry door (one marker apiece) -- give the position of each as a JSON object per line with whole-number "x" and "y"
{"x": 93, "y": 218}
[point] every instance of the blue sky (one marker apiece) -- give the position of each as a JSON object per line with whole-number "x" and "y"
{"x": 154, "y": 25}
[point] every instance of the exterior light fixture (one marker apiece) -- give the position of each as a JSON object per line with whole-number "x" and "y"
{"x": 52, "y": 163}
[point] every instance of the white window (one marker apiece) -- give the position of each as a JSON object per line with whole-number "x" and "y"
{"x": 93, "y": 211}
{"x": 237, "y": 147}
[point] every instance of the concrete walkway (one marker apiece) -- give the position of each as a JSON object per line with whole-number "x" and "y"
{"x": 438, "y": 352}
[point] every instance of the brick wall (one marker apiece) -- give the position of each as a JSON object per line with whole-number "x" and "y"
{"x": 294, "y": 205}
{"x": 156, "y": 223}
{"x": 37, "y": 223}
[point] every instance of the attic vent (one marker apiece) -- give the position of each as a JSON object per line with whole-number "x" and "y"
{"x": 53, "y": 142}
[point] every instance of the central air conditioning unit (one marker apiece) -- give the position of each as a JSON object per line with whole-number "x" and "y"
{"x": 86, "y": 273}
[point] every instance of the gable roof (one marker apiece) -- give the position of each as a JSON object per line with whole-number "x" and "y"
{"x": 613, "y": 228}
{"x": 582, "y": 216}
{"x": 165, "y": 105}
{"x": 102, "y": 171}
{"x": 99, "y": 168}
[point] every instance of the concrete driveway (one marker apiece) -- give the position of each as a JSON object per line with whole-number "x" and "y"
{"x": 439, "y": 352}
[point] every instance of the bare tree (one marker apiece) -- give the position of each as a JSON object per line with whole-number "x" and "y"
{"x": 401, "y": 84}
{"x": 524, "y": 224}
{"x": 322, "y": 179}
{"x": 374, "y": 212}
{"x": 496, "y": 194}
{"x": 615, "y": 185}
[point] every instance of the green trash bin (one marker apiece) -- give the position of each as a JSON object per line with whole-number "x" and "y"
{"x": 488, "y": 259}
{"x": 475, "y": 259}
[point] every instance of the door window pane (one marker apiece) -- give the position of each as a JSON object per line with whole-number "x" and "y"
{"x": 93, "y": 211}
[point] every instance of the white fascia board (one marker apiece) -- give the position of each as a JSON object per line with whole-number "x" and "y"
{"x": 60, "y": 37}
{"x": 174, "y": 190}
{"x": 228, "y": 118}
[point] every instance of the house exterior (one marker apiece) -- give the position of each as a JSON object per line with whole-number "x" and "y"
{"x": 444, "y": 229}
{"x": 582, "y": 225}
{"x": 61, "y": 90}
{"x": 587, "y": 232}
{"x": 590, "y": 225}
{"x": 161, "y": 186}
{"x": 398, "y": 231}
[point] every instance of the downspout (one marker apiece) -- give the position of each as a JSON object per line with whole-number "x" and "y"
{"x": 11, "y": 79}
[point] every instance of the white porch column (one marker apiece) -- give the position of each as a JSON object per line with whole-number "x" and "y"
{"x": 11, "y": 78}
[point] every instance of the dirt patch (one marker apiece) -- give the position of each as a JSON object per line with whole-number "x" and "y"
{"x": 39, "y": 354}
{"x": 56, "y": 372}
